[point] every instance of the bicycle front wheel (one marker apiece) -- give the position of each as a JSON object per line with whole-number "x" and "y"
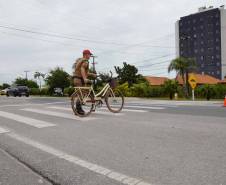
{"x": 114, "y": 100}
{"x": 82, "y": 108}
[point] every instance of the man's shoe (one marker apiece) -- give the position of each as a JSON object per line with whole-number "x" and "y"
{"x": 81, "y": 112}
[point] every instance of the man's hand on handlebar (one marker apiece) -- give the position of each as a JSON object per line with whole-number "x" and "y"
{"x": 87, "y": 81}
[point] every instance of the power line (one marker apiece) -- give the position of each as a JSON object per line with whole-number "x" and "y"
{"x": 154, "y": 64}
{"x": 137, "y": 44}
{"x": 44, "y": 40}
{"x": 151, "y": 59}
{"x": 65, "y": 37}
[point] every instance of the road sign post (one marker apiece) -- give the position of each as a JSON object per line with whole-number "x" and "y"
{"x": 193, "y": 94}
{"x": 193, "y": 83}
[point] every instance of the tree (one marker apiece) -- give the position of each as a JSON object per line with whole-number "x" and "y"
{"x": 182, "y": 66}
{"x": 5, "y": 85}
{"x": 25, "y": 82}
{"x": 102, "y": 78}
{"x": 57, "y": 78}
{"x": 128, "y": 73}
{"x": 171, "y": 87}
{"x": 39, "y": 75}
{"x": 207, "y": 91}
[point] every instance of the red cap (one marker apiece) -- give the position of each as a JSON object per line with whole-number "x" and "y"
{"x": 87, "y": 52}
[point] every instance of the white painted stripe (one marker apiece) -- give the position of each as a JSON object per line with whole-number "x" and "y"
{"x": 3, "y": 130}
{"x": 144, "y": 107}
{"x": 29, "y": 121}
{"x": 96, "y": 112}
{"x": 58, "y": 114}
{"x": 102, "y": 108}
{"x": 124, "y": 179}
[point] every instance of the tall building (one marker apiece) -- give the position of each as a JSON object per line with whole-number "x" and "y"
{"x": 202, "y": 36}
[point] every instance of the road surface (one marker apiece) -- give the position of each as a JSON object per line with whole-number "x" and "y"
{"x": 150, "y": 142}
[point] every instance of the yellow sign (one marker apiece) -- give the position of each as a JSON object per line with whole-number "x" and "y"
{"x": 192, "y": 81}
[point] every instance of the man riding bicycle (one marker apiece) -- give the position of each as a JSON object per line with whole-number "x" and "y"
{"x": 81, "y": 74}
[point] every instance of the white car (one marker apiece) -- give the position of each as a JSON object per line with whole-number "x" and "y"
{"x": 3, "y": 92}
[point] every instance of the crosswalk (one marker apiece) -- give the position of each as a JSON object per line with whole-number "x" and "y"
{"x": 26, "y": 116}
{"x": 57, "y": 114}
{"x": 3, "y": 130}
{"x": 26, "y": 120}
{"x": 96, "y": 112}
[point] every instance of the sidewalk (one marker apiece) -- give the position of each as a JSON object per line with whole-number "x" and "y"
{"x": 12, "y": 172}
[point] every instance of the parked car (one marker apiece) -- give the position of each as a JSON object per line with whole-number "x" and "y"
{"x": 3, "y": 91}
{"x": 58, "y": 91}
{"x": 18, "y": 91}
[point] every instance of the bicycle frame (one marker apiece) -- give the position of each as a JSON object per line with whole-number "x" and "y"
{"x": 97, "y": 96}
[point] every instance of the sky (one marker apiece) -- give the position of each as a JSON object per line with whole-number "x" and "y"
{"x": 39, "y": 35}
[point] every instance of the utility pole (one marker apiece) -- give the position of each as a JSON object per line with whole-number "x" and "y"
{"x": 26, "y": 74}
{"x": 94, "y": 63}
{"x": 94, "y": 70}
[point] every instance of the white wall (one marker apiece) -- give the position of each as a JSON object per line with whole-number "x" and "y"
{"x": 223, "y": 42}
{"x": 177, "y": 39}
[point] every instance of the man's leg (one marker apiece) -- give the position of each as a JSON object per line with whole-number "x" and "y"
{"x": 78, "y": 83}
{"x": 79, "y": 107}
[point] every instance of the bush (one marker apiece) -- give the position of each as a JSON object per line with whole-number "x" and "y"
{"x": 140, "y": 90}
{"x": 124, "y": 88}
{"x": 69, "y": 91}
{"x": 45, "y": 91}
{"x": 211, "y": 91}
{"x": 34, "y": 91}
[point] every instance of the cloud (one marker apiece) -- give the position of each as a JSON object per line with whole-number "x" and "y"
{"x": 122, "y": 24}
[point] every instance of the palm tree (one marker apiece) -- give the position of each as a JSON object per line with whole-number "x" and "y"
{"x": 39, "y": 75}
{"x": 171, "y": 87}
{"x": 182, "y": 66}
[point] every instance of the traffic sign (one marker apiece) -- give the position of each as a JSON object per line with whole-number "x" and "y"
{"x": 192, "y": 81}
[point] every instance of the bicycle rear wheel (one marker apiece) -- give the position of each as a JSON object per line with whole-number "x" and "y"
{"x": 82, "y": 108}
{"x": 114, "y": 100}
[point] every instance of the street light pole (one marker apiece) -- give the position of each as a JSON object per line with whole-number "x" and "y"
{"x": 26, "y": 74}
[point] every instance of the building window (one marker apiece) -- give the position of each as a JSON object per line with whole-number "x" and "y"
{"x": 217, "y": 39}
{"x": 202, "y": 34}
{"x": 217, "y": 56}
{"x": 202, "y": 57}
{"x": 218, "y": 72}
{"x": 202, "y": 50}
{"x": 218, "y": 64}
{"x": 217, "y": 48}
{"x": 196, "y": 50}
{"x": 217, "y": 31}
{"x": 202, "y": 65}
{"x": 202, "y": 42}
{"x": 217, "y": 23}
{"x": 217, "y": 15}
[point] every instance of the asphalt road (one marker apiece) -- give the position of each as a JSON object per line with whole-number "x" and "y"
{"x": 148, "y": 143}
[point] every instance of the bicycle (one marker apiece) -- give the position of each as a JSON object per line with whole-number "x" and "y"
{"x": 89, "y": 101}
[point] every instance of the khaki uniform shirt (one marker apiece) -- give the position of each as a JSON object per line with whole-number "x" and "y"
{"x": 81, "y": 70}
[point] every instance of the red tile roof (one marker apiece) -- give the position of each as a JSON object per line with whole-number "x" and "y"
{"x": 201, "y": 79}
{"x": 156, "y": 81}
{"x": 222, "y": 81}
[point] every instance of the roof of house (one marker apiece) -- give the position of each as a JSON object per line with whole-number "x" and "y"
{"x": 201, "y": 79}
{"x": 154, "y": 80}
{"x": 222, "y": 81}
